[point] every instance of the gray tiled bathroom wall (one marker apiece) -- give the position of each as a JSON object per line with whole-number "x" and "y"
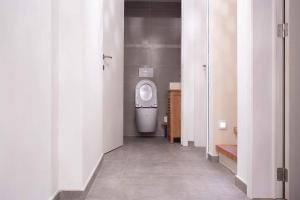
{"x": 152, "y": 38}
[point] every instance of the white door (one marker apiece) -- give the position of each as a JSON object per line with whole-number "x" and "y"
{"x": 293, "y": 100}
{"x": 113, "y": 46}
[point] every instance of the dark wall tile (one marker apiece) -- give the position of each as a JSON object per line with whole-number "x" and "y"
{"x": 137, "y": 5}
{"x": 165, "y": 36}
{"x": 136, "y": 21}
{"x": 139, "y": 34}
{"x": 165, "y": 13}
{"x": 137, "y": 13}
{"x": 170, "y": 57}
{"x": 165, "y": 6}
{"x": 166, "y": 22}
{"x": 137, "y": 56}
{"x": 152, "y": 9}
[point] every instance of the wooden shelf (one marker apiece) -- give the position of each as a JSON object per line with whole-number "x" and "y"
{"x": 174, "y": 112}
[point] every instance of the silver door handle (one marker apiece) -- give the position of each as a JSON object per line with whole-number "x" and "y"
{"x": 106, "y": 56}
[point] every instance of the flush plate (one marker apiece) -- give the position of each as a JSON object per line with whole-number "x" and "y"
{"x": 146, "y": 72}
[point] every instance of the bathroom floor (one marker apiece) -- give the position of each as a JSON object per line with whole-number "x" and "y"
{"x": 153, "y": 169}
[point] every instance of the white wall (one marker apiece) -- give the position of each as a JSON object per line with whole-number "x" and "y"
{"x": 263, "y": 65}
{"x": 244, "y": 71}
{"x": 70, "y": 65}
{"x": 25, "y": 100}
{"x": 92, "y": 87}
{"x": 194, "y": 56}
{"x": 55, "y": 92}
{"x": 51, "y": 89}
{"x": 256, "y": 33}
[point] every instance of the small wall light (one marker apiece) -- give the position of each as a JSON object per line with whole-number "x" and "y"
{"x": 222, "y": 125}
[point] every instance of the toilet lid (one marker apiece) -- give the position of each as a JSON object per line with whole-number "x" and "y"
{"x": 146, "y": 92}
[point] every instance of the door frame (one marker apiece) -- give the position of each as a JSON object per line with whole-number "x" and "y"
{"x": 210, "y": 135}
{"x": 279, "y": 98}
{"x": 286, "y": 158}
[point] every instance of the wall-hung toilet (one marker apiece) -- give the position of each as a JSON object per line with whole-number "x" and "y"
{"x": 146, "y": 106}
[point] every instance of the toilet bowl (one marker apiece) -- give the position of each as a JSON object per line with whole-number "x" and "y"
{"x": 146, "y": 106}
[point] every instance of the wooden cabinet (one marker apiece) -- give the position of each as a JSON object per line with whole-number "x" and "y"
{"x": 174, "y": 115}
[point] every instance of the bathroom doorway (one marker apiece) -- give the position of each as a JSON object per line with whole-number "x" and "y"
{"x": 152, "y": 52}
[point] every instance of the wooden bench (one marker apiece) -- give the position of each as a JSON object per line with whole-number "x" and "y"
{"x": 228, "y": 150}
{"x": 228, "y": 156}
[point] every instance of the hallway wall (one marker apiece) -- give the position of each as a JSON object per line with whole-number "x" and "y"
{"x": 152, "y": 38}
{"x": 25, "y": 103}
{"x": 51, "y": 110}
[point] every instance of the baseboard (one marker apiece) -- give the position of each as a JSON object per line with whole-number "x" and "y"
{"x": 80, "y": 195}
{"x": 240, "y": 184}
{"x": 68, "y": 195}
{"x": 191, "y": 143}
{"x": 197, "y": 144}
{"x": 54, "y": 196}
{"x": 93, "y": 175}
{"x": 212, "y": 158}
{"x": 228, "y": 163}
{"x": 184, "y": 143}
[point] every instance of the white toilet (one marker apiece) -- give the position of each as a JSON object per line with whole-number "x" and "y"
{"x": 146, "y": 106}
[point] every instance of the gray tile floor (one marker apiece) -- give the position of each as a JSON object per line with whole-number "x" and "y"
{"x": 153, "y": 169}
